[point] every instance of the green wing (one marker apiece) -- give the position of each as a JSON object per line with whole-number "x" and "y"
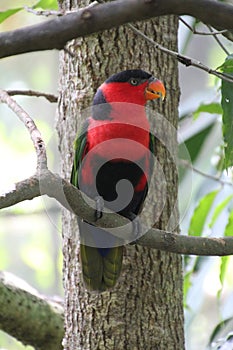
{"x": 99, "y": 272}
{"x": 80, "y": 148}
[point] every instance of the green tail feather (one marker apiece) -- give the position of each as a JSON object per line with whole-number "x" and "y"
{"x": 100, "y": 272}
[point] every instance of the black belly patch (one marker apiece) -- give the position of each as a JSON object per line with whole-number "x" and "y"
{"x": 116, "y": 182}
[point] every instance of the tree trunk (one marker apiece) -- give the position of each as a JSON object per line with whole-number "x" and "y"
{"x": 144, "y": 310}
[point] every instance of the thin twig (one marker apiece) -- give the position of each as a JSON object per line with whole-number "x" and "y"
{"x": 50, "y": 97}
{"x": 186, "y": 164}
{"x": 45, "y": 13}
{"x": 187, "y": 61}
{"x": 48, "y": 13}
{"x": 194, "y": 31}
{"x": 35, "y": 134}
{"x": 218, "y": 41}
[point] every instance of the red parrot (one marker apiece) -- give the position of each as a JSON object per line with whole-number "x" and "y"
{"x": 113, "y": 161}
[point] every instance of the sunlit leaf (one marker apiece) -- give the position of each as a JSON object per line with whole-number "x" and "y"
{"x": 222, "y": 272}
{"x": 46, "y": 5}
{"x": 225, "y": 259}
{"x": 195, "y": 142}
{"x": 227, "y": 115}
{"x": 212, "y": 108}
{"x": 200, "y": 214}
{"x": 218, "y": 210}
{"x": 186, "y": 286}
{"x": 6, "y": 14}
{"x": 229, "y": 227}
{"x": 227, "y": 66}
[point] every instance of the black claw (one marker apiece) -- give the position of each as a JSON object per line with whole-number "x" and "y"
{"x": 99, "y": 203}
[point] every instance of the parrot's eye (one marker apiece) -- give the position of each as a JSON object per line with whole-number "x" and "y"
{"x": 134, "y": 81}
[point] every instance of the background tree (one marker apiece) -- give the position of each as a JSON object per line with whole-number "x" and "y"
{"x": 205, "y": 132}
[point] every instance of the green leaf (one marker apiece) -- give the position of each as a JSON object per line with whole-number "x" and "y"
{"x": 46, "y": 5}
{"x": 229, "y": 227}
{"x": 187, "y": 282}
{"x": 186, "y": 286}
{"x": 227, "y": 115}
{"x": 6, "y": 14}
{"x": 200, "y": 214}
{"x": 219, "y": 208}
{"x": 225, "y": 259}
{"x": 212, "y": 108}
{"x": 193, "y": 146}
{"x": 219, "y": 330}
{"x": 222, "y": 272}
{"x": 227, "y": 66}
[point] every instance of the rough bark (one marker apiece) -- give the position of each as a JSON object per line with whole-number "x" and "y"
{"x": 28, "y": 316}
{"x": 144, "y": 310}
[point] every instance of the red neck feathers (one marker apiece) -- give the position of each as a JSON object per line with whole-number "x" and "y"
{"x": 125, "y": 132}
{"x": 124, "y": 92}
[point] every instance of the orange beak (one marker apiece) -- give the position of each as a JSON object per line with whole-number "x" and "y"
{"x": 155, "y": 89}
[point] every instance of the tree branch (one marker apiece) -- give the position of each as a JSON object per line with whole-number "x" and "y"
{"x": 187, "y": 61}
{"x": 194, "y": 31}
{"x": 75, "y": 201}
{"x": 218, "y": 41}
{"x": 28, "y": 316}
{"x": 54, "y": 34}
{"x": 50, "y": 97}
{"x": 218, "y": 179}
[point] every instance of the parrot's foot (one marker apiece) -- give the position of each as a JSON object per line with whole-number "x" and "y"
{"x": 99, "y": 205}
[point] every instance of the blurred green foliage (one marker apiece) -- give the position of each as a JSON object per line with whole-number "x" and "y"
{"x": 42, "y": 4}
{"x": 227, "y": 114}
{"x": 30, "y": 232}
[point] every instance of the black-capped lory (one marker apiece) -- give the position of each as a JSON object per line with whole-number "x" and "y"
{"x": 113, "y": 161}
